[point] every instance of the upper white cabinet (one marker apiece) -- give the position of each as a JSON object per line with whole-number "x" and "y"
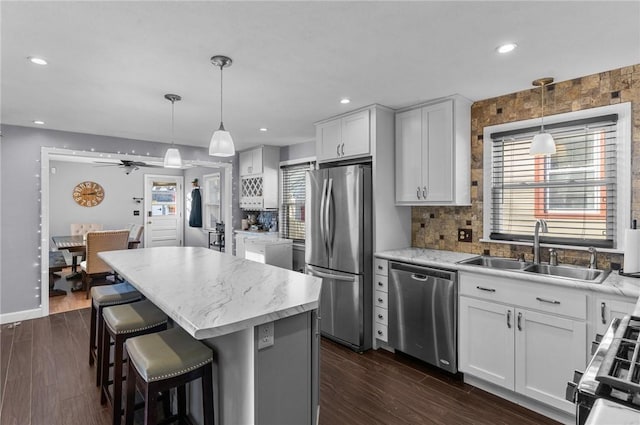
{"x": 344, "y": 137}
{"x": 258, "y": 169}
{"x": 251, "y": 162}
{"x": 433, "y": 153}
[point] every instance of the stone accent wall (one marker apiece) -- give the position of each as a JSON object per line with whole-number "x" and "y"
{"x": 436, "y": 227}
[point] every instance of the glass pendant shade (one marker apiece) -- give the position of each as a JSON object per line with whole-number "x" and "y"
{"x": 221, "y": 143}
{"x": 542, "y": 144}
{"x": 172, "y": 158}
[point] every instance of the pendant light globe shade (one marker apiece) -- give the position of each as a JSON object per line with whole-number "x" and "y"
{"x": 221, "y": 143}
{"x": 172, "y": 158}
{"x": 542, "y": 144}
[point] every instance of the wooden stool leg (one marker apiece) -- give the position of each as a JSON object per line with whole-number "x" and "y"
{"x": 207, "y": 394}
{"x": 117, "y": 380}
{"x": 182, "y": 404}
{"x": 104, "y": 374}
{"x": 132, "y": 378}
{"x": 150, "y": 404}
{"x": 99, "y": 347}
{"x": 166, "y": 403}
{"x": 92, "y": 335}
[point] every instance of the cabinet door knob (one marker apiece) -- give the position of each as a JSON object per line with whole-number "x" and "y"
{"x": 380, "y": 284}
{"x": 342, "y": 149}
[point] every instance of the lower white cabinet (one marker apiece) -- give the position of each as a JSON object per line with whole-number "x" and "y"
{"x": 530, "y": 352}
{"x": 380, "y": 300}
{"x": 608, "y": 308}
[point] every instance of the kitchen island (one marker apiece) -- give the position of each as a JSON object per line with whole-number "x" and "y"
{"x": 233, "y": 305}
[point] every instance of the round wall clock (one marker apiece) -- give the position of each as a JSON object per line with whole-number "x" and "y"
{"x": 88, "y": 194}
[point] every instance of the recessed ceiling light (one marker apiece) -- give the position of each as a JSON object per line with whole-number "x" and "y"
{"x": 263, "y": 129}
{"x": 506, "y": 48}
{"x": 37, "y": 61}
{"x": 38, "y": 122}
{"x": 344, "y": 100}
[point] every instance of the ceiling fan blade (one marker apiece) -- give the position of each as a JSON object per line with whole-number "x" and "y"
{"x": 105, "y": 162}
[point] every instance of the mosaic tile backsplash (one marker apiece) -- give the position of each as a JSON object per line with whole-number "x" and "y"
{"x": 437, "y": 227}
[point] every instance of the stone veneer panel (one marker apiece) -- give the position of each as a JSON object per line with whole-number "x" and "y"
{"x": 436, "y": 227}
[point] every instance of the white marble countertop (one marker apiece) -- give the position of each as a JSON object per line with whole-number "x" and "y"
{"x": 614, "y": 283}
{"x": 209, "y": 293}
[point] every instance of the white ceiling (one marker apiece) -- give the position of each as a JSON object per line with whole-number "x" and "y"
{"x": 110, "y": 63}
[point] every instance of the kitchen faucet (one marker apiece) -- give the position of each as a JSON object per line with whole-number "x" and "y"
{"x": 541, "y": 226}
{"x": 593, "y": 258}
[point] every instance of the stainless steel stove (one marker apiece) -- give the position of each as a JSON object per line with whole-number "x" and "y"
{"x": 613, "y": 372}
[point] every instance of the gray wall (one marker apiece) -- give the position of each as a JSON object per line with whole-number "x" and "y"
{"x": 297, "y": 151}
{"x": 114, "y": 212}
{"x": 20, "y": 201}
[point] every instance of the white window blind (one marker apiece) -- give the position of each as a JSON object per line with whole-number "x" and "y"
{"x": 292, "y": 209}
{"x": 574, "y": 190}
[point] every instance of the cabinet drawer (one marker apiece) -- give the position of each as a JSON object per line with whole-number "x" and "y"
{"x": 381, "y": 316}
{"x": 381, "y": 283}
{"x": 381, "y": 266}
{"x": 533, "y": 295}
{"x": 381, "y": 299}
{"x": 380, "y": 331}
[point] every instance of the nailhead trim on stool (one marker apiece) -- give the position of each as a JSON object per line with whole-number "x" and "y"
{"x": 164, "y": 360}
{"x": 120, "y": 323}
{"x": 101, "y": 297}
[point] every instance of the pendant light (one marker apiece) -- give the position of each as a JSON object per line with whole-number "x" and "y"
{"x": 172, "y": 158}
{"x": 221, "y": 142}
{"x": 542, "y": 143}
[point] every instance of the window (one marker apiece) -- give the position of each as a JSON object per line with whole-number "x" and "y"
{"x": 581, "y": 191}
{"x": 292, "y": 205}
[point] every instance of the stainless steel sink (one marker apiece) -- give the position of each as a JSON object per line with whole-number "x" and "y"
{"x": 496, "y": 263}
{"x": 570, "y": 272}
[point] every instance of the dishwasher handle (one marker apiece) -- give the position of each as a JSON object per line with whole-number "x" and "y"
{"x": 420, "y": 277}
{"x": 423, "y": 273}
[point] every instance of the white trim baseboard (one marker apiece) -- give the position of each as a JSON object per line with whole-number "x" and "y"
{"x": 18, "y": 316}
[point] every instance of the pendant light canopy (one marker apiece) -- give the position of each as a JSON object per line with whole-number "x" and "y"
{"x": 221, "y": 142}
{"x": 172, "y": 158}
{"x": 542, "y": 143}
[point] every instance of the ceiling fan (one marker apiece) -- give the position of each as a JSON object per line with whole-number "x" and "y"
{"x": 128, "y": 165}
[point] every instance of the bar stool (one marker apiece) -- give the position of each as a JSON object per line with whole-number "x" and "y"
{"x": 101, "y": 297}
{"x": 164, "y": 360}
{"x": 120, "y": 323}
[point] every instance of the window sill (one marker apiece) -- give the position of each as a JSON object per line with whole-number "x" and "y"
{"x": 546, "y": 245}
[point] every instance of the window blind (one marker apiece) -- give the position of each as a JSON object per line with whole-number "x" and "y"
{"x": 574, "y": 190}
{"x": 292, "y": 209}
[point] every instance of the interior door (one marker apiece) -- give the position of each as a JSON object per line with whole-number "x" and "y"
{"x": 163, "y": 207}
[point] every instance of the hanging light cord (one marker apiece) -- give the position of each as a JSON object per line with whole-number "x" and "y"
{"x": 221, "y": 68}
{"x": 172, "y": 122}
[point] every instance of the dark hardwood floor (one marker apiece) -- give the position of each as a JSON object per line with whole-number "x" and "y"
{"x": 45, "y": 379}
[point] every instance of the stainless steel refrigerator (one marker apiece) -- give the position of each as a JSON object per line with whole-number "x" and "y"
{"x": 339, "y": 250}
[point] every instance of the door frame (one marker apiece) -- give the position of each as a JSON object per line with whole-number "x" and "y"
{"x": 48, "y": 154}
{"x": 180, "y": 197}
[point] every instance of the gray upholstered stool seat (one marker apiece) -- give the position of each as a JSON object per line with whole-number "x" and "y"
{"x": 164, "y": 360}
{"x": 120, "y": 323}
{"x": 167, "y": 354}
{"x": 105, "y": 296}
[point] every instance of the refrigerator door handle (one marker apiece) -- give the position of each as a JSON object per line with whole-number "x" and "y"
{"x": 331, "y": 276}
{"x": 328, "y": 228}
{"x": 323, "y": 233}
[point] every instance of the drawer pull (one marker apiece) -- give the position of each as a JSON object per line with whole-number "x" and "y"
{"x": 380, "y": 284}
{"x": 542, "y": 300}
{"x": 509, "y": 319}
{"x": 379, "y": 332}
{"x": 380, "y": 300}
{"x": 380, "y": 267}
{"x": 603, "y": 307}
{"x": 486, "y": 289}
{"x": 380, "y": 316}
{"x": 519, "y": 321}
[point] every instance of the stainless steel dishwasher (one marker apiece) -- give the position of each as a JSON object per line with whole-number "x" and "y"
{"x": 423, "y": 313}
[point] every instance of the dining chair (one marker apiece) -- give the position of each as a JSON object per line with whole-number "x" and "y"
{"x": 135, "y": 235}
{"x": 81, "y": 229}
{"x": 93, "y": 267}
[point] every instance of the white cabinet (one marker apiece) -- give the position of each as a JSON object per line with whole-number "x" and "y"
{"x": 243, "y": 237}
{"x": 380, "y": 299}
{"x": 609, "y": 307}
{"x": 524, "y": 337}
{"x": 343, "y": 137}
{"x": 259, "y": 178}
{"x": 275, "y": 251}
{"x": 433, "y": 153}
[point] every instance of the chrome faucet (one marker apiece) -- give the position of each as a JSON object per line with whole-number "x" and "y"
{"x": 593, "y": 258}
{"x": 541, "y": 226}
